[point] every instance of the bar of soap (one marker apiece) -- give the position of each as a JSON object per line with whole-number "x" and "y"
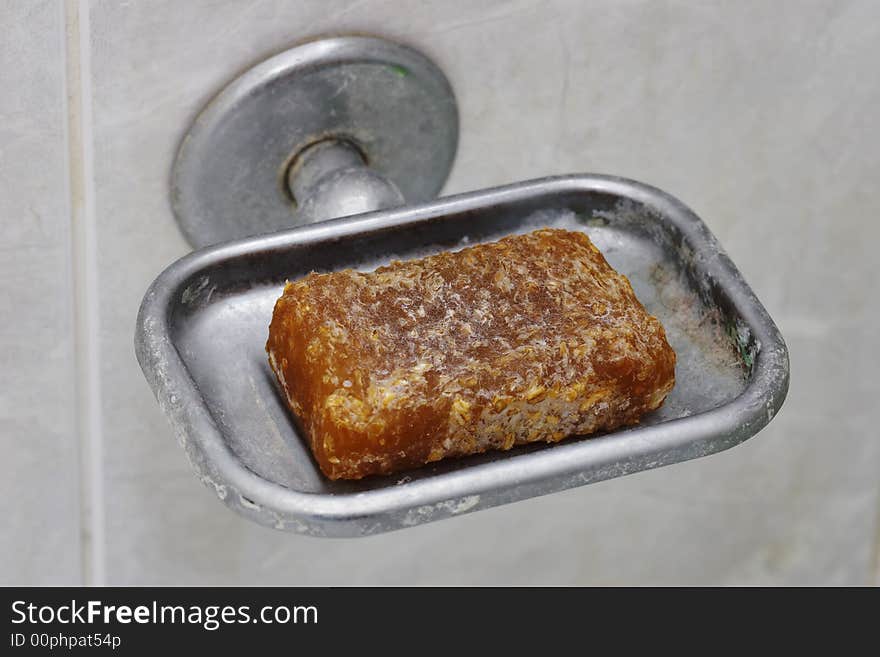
{"x": 531, "y": 338}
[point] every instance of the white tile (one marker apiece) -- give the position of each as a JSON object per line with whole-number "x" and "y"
{"x": 40, "y": 541}
{"x": 761, "y": 117}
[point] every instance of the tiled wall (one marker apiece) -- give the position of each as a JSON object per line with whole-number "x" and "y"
{"x": 760, "y": 115}
{"x": 39, "y": 466}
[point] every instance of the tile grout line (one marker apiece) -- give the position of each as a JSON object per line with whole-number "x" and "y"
{"x": 81, "y": 195}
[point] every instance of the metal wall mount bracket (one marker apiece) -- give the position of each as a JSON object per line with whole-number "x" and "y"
{"x": 327, "y": 129}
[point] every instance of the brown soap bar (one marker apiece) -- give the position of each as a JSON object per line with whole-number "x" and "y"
{"x": 531, "y": 338}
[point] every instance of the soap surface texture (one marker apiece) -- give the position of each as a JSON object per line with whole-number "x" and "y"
{"x": 531, "y": 338}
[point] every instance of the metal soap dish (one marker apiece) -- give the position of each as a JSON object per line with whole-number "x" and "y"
{"x": 360, "y": 125}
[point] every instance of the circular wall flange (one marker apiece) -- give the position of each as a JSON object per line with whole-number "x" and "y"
{"x": 230, "y": 177}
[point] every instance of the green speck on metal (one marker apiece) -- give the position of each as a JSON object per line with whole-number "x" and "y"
{"x": 400, "y": 71}
{"x": 746, "y": 354}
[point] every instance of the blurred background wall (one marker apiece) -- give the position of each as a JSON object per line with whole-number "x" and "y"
{"x": 762, "y": 116}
